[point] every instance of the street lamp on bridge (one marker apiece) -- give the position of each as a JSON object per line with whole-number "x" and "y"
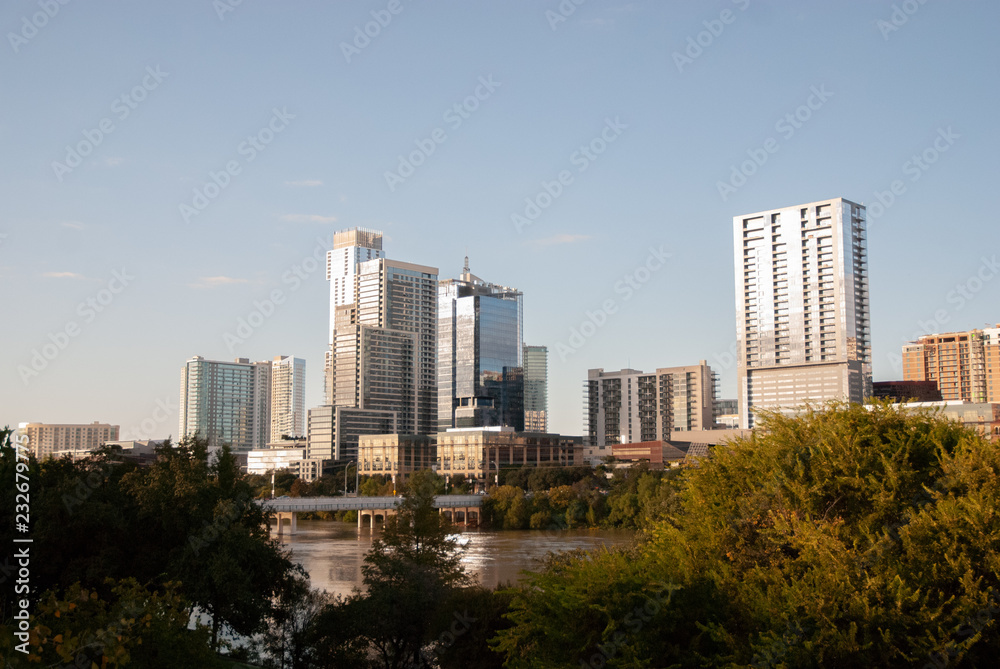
{"x": 357, "y": 476}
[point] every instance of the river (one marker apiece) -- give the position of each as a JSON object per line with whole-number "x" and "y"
{"x": 332, "y": 552}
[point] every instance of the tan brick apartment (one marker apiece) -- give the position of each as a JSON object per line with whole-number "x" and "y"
{"x": 965, "y": 365}
{"x": 45, "y": 440}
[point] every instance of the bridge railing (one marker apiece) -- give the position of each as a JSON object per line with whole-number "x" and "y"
{"x": 306, "y": 504}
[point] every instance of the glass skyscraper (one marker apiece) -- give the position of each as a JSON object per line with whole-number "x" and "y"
{"x": 536, "y": 389}
{"x": 226, "y": 402}
{"x": 480, "y": 374}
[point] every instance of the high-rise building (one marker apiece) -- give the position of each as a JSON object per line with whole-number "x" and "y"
{"x": 384, "y": 334}
{"x": 964, "y": 365}
{"x": 802, "y": 310}
{"x": 480, "y": 380}
{"x": 334, "y": 431}
{"x": 226, "y": 402}
{"x": 630, "y": 406}
{"x": 991, "y": 354}
{"x": 288, "y": 397}
{"x": 51, "y": 440}
{"x": 536, "y": 389}
{"x": 350, "y": 249}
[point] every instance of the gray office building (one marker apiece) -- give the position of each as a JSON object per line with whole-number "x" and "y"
{"x": 631, "y": 406}
{"x": 334, "y": 432}
{"x": 480, "y": 375}
{"x": 383, "y": 353}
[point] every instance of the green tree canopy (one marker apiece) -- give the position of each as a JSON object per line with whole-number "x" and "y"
{"x": 188, "y": 518}
{"x": 852, "y": 536}
{"x": 412, "y": 569}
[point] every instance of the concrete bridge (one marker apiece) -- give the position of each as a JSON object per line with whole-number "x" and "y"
{"x": 459, "y": 509}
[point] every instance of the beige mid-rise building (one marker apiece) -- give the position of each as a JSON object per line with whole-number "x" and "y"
{"x": 47, "y": 440}
{"x": 474, "y": 453}
{"x": 630, "y": 406}
{"x": 396, "y": 455}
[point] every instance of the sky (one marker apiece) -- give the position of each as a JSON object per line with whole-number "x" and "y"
{"x": 169, "y": 173}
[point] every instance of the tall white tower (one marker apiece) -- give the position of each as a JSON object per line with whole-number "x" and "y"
{"x": 350, "y": 249}
{"x": 802, "y": 310}
{"x": 288, "y": 397}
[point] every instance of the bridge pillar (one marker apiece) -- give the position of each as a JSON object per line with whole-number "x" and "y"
{"x": 280, "y": 519}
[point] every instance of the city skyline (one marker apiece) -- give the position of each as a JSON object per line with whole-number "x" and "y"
{"x": 608, "y": 152}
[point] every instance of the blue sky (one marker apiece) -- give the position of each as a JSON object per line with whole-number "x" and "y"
{"x": 101, "y": 262}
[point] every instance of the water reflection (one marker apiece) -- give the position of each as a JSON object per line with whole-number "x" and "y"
{"x": 332, "y": 552}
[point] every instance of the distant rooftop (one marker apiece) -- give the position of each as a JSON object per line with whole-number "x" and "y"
{"x": 369, "y": 239}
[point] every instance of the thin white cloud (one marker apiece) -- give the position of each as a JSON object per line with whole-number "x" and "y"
{"x": 63, "y": 275}
{"x": 113, "y": 161}
{"x": 307, "y": 183}
{"x": 308, "y": 218}
{"x": 216, "y": 281}
{"x": 75, "y": 225}
{"x": 560, "y": 239}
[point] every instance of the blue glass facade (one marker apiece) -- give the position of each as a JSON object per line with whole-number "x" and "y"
{"x": 480, "y": 355}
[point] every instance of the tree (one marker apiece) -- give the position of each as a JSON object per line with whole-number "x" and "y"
{"x": 409, "y": 572}
{"x": 287, "y": 641}
{"x": 217, "y": 541}
{"x": 133, "y": 627}
{"x": 375, "y": 486}
{"x": 496, "y": 505}
{"x": 850, "y": 536}
{"x": 183, "y": 519}
{"x": 468, "y": 620}
{"x": 588, "y": 609}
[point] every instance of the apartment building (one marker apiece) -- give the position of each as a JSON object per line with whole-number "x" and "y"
{"x": 802, "y": 309}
